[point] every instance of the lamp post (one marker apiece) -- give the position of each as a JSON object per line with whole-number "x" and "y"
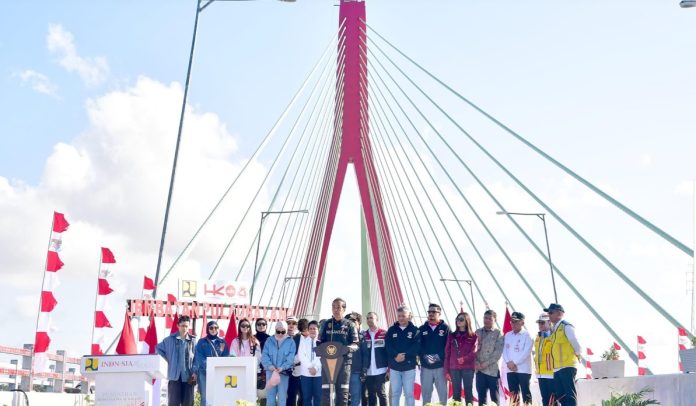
{"x": 542, "y": 216}
{"x": 287, "y": 279}
{"x": 471, "y": 289}
{"x": 200, "y": 6}
{"x": 687, "y": 3}
{"x": 265, "y": 214}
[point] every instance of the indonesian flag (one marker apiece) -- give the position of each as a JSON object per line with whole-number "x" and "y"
{"x": 617, "y": 347}
{"x": 175, "y": 324}
{"x": 169, "y": 321}
{"x": 417, "y": 388}
{"x": 642, "y": 370}
{"x": 683, "y": 343}
{"x": 103, "y": 290}
{"x": 148, "y": 287}
{"x": 48, "y": 301}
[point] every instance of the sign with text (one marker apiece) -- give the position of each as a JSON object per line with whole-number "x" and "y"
{"x": 231, "y": 292}
{"x": 196, "y": 310}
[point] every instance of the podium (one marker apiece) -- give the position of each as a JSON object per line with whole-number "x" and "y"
{"x": 229, "y": 379}
{"x": 123, "y": 380}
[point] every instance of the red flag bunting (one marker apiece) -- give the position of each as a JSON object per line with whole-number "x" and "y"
{"x": 507, "y": 324}
{"x": 53, "y": 263}
{"x": 641, "y": 340}
{"x": 642, "y": 371}
{"x": 126, "y": 344}
{"x": 148, "y": 284}
{"x": 41, "y": 342}
{"x": 151, "y": 335}
{"x": 589, "y": 352}
{"x": 96, "y": 350}
{"x": 641, "y": 355}
{"x": 48, "y": 301}
{"x": 171, "y": 298}
{"x": 142, "y": 333}
{"x": 617, "y": 347}
{"x": 104, "y": 288}
{"x": 100, "y": 320}
{"x": 60, "y": 224}
{"x": 107, "y": 256}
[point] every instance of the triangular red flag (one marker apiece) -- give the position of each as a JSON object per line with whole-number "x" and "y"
{"x": 107, "y": 256}
{"x": 641, "y": 340}
{"x": 175, "y": 324}
{"x": 151, "y": 335}
{"x": 642, "y": 371}
{"x": 641, "y": 355}
{"x": 96, "y": 350}
{"x": 60, "y": 224}
{"x": 100, "y": 320}
{"x": 126, "y": 344}
{"x": 104, "y": 288}
{"x": 617, "y": 347}
{"x": 171, "y": 298}
{"x": 41, "y": 342}
{"x": 48, "y": 301}
{"x": 589, "y": 352}
{"x": 507, "y": 324}
{"x": 148, "y": 284}
{"x": 141, "y": 334}
{"x": 231, "y": 332}
{"x": 53, "y": 262}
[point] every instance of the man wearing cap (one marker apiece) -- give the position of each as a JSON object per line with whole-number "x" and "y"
{"x": 433, "y": 334}
{"x": 542, "y": 359}
{"x": 565, "y": 353}
{"x": 338, "y": 329}
{"x": 490, "y": 348}
{"x": 517, "y": 355}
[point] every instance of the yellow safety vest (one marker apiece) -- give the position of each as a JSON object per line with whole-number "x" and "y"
{"x": 542, "y": 355}
{"x": 562, "y": 353}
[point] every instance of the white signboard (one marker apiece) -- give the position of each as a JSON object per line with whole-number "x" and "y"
{"x": 231, "y": 292}
{"x": 230, "y": 379}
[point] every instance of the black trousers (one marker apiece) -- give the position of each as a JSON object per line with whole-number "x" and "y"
{"x": 341, "y": 389}
{"x": 484, "y": 384}
{"x": 179, "y": 393}
{"x": 564, "y": 380}
{"x": 376, "y": 390}
{"x": 294, "y": 391}
{"x": 465, "y": 377}
{"x": 519, "y": 387}
{"x": 546, "y": 387}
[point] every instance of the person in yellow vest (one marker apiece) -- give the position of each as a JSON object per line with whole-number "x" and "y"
{"x": 565, "y": 353}
{"x": 542, "y": 360}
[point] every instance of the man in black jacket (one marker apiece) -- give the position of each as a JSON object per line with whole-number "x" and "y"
{"x": 374, "y": 357}
{"x": 358, "y": 392}
{"x": 338, "y": 329}
{"x": 433, "y": 334}
{"x": 403, "y": 340}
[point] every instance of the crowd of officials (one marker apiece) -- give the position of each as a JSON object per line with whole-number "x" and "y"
{"x": 290, "y": 372}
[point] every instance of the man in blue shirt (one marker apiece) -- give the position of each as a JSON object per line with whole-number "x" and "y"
{"x": 177, "y": 349}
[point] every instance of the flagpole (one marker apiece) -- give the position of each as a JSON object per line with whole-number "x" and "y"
{"x": 693, "y": 267}
{"x": 38, "y": 312}
{"x": 96, "y": 298}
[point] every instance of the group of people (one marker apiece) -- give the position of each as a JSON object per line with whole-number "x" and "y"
{"x": 290, "y": 371}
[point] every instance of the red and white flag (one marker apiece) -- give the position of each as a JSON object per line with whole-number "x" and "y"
{"x": 150, "y": 336}
{"x": 617, "y": 347}
{"x": 143, "y": 323}
{"x": 588, "y": 364}
{"x": 642, "y": 369}
{"x": 48, "y": 301}
{"x": 683, "y": 344}
{"x": 126, "y": 343}
{"x": 103, "y": 290}
{"x": 503, "y": 388}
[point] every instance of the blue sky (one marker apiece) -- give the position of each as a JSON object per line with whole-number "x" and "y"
{"x": 605, "y": 87}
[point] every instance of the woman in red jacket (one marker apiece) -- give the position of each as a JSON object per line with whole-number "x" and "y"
{"x": 460, "y": 357}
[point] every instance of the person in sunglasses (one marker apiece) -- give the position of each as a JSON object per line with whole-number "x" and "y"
{"x": 278, "y": 356}
{"x": 209, "y": 346}
{"x": 460, "y": 358}
{"x": 433, "y": 335}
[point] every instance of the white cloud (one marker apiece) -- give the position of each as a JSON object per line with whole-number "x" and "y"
{"x": 92, "y": 70}
{"x": 111, "y": 182}
{"x": 39, "y": 82}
